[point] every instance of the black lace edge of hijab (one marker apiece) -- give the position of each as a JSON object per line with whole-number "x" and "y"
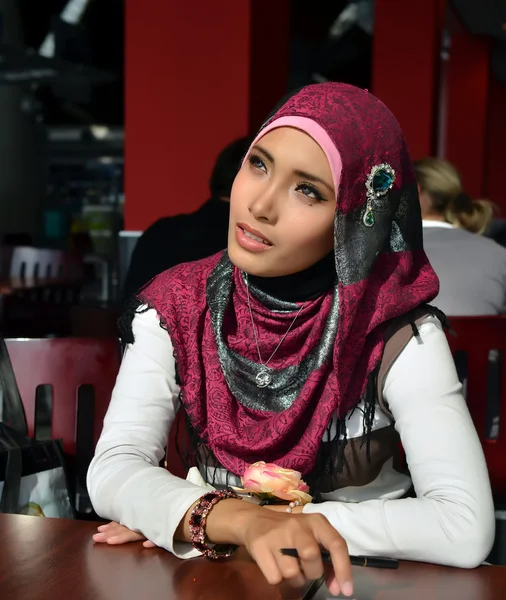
{"x": 330, "y": 457}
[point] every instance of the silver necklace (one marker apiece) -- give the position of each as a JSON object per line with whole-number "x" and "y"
{"x": 264, "y": 377}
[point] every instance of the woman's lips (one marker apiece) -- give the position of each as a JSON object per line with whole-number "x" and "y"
{"x": 250, "y": 239}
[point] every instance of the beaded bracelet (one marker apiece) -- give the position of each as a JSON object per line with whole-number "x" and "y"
{"x": 198, "y": 520}
{"x": 293, "y": 505}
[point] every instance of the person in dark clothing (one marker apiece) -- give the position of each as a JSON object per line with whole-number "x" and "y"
{"x": 187, "y": 237}
{"x": 497, "y": 231}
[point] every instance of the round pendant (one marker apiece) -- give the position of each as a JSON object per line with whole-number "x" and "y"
{"x": 263, "y": 378}
{"x": 368, "y": 219}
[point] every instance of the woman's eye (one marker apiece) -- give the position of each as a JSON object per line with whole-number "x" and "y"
{"x": 310, "y": 191}
{"x": 257, "y": 163}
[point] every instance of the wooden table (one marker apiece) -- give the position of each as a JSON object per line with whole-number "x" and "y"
{"x": 42, "y": 559}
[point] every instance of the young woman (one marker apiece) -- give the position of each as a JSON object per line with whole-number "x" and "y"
{"x": 274, "y": 349}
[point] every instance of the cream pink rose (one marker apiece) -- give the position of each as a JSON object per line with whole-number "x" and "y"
{"x": 268, "y": 479}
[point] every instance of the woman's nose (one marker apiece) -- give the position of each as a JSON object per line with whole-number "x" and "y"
{"x": 264, "y": 207}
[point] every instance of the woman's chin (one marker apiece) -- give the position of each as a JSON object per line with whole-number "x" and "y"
{"x": 258, "y": 265}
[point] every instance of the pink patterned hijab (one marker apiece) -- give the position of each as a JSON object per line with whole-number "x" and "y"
{"x": 333, "y": 353}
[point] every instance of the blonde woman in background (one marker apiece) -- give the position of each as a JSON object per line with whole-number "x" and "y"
{"x": 471, "y": 268}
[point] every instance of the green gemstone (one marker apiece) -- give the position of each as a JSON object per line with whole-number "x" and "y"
{"x": 369, "y": 219}
{"x": 382, "y": 181}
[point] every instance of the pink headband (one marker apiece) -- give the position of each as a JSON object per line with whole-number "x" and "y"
{"x": 320, "y": 136}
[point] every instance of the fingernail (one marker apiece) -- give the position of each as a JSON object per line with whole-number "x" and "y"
{"x": 98, "y": 536}
{"x": 102, "y": 528}
{"x": 334, "y": 589}
{"x": 347, "y": 588}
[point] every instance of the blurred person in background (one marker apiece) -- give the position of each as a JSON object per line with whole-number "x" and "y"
{"x": 471, "y": 268}
{"x": 187, "y": 237}
{"x": 497, "y": 231}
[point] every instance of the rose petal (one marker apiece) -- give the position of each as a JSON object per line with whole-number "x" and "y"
{"x": 252, "y": 485}
{"x": 253, "y": 470}
{"x": 303, "y": 487}
{"x": 270, "y": 479}
{"x": 284, "y": 495}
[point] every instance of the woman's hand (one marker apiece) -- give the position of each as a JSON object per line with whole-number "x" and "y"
{"x": 268, "y": 531}
{"x": 113, "y": 533}
{"x": 265, "y": 532}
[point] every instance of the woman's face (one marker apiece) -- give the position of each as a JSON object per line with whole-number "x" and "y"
{"x": 282, "y": 206}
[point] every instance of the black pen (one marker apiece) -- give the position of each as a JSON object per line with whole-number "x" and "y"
{"x": 377, "y": 562}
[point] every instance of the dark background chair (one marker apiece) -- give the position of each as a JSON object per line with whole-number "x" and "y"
{"x": 65, "y": 386}
{"x": 479, "y": 350}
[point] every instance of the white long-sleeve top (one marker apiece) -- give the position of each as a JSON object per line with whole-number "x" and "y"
{"x": 451, "y": 521}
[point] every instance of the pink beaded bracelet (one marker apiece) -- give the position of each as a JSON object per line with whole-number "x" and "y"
{"x": 198, "y": 520}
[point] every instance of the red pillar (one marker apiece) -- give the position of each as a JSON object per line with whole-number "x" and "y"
{"x": 467, "y": 78}
{"x": 188, "y": 93}
{"x": 495, "y": 148}
{"x": 407, "y": 43}
{"x": 269, "y": 56}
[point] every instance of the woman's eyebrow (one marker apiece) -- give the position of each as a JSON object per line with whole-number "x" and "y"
{"x": 303, "y": 174}
{"x": 314, "y": 178}
{"x": 267, "y": 155}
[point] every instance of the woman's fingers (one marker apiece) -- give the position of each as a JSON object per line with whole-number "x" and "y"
{"x": 268, "y": 564}
{"x": 122, "y": 538}
{"x": 311, "y": 559}
{"x": 336, "y": 545}
{"x": 114, "y": 534}
{"x": 106, "y": 526}
{"x": 342, "y": 569}
{"x": 270, "y": 531}
{"x": 290, "y": 569}
{"x": 148, "y": 544}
